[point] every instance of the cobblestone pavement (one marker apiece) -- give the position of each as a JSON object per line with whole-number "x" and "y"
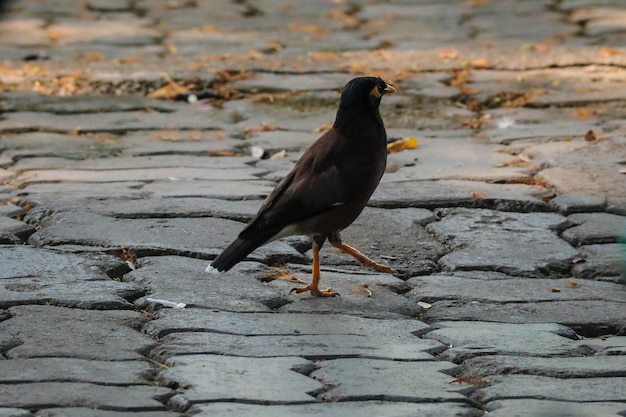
{"x": 126, "y": 164}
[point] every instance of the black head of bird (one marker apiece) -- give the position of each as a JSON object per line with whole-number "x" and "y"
{"x": 328, "y": 187}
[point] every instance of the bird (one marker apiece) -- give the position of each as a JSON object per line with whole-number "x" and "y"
{"x": 327, "y": 188}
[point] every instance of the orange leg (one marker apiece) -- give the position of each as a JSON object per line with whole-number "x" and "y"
{"x": 354, "y": 252}
{"x": 313, "y": 286}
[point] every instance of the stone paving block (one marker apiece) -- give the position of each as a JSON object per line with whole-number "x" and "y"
{"x": 546, "y": 408}
{"x": 14, "y": 412}
{"x": 148, "y": 174}
{"x": 90, "y": 412}
{"x": 210, "y": 378}
{"x": 74, "y": 370}
{"x": 160, "y": 236}
{"x": 454, "y": 193}
{"x": 137, "y": 208}
{"x": 345, "y": 409}
{"x": 11, "y": 210}
{"x": 513, "y": 290}
{"x": 20, "y": 230}
{"x": 133, "y": 162}
{"x": 229, "y": 190}
{"x": 46, "y": 331}
{"x": 29, "y": 275}
{"x": 75, "y": 394}
{"x": 369, "y": 379}
{"x": 383, "y": 303}
{"x": 281, "y": 82}
{"x": 587, "y": 317}
{"x": 182, "y": 279}
{"x": 577, "y": 203}
{"x": 605, "y": 345}
{"x": 272, "y": 324}
{"x": 469, "y": 339}
{"x": 545, "y": 388}
{"x": 47, "y": 144}
{"x": 118, "y": 189}
{"x": 602, "y": 262}
{"x": 312, "y": 347}
{"x": 469, "y": 234}
{"x": 594, "y": 228}
{"x": 557, "y": 367}
{"x": 396, "y": 233}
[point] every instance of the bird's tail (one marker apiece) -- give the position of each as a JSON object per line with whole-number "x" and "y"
{"x": 234, "y": 253}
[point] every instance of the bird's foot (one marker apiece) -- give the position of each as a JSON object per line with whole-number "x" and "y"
{"x": 314, "y": 290}
{"x": 380, "y": 267}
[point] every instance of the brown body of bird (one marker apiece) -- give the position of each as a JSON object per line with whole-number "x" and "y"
{"x": 328, "y": 187}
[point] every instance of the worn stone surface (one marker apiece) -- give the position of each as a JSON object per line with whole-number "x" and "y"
{"x": 90, "y": 412}
{"x": 67, "y": 394}
{"x": 467, "y": 233}
{"x": 11, "y": 227}
{"x": 594, "y": 228}
{"x": 45, "y": 331}
{"x": 546, "y": 408}
{"x": 14, "y": 412}
{"x": 210, "y": 378}
{"x": 602, "y": 262}
{"x": 586, "y": 367}
{"x": 546, "y": 388}
{"x": 347, "y": 409}
{"x": 366, "y": 379}
{"x": 469, "y": 339}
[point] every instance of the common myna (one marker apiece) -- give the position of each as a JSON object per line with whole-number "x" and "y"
{"x": 328, "y": 187}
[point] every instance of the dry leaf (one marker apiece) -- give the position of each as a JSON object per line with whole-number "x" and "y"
{"x": 480, "y": 383}
{"x": 606, "y": 52}
{"x": 363, "y": 288}
{"x": 591, "y": 136}
{"x": 392, "y": 168}
{"x": 449, "y": 53}
{"x": 281, "y": 274}
{"x": 92, "y": 56}
{"x": 584, "y": 113}
{"x": 171, "y": 90}
{"x": 221, "y": 152}
{"x": 323, "y": 56}
{"x": 555, "y": 290}
{"x": 479, "y": 63}
{"x": 218, "y": 135}
{"x": 323, "y": 128}
{"x": 459, "y": 77}
{"x": 578, "y": 260}
{"x": 279, "y": 154}
{"x": 263, "y": 127}
{"x": 475, "y": 194}
{"x": 402, "y": 144}
{"x": 571, "y": 283}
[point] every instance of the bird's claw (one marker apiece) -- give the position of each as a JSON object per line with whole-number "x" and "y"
{"x": 328, "y": 292}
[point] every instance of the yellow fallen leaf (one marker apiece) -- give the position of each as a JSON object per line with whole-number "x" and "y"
{"x": 402, "y": 144}
{"x": 279, "y": 154}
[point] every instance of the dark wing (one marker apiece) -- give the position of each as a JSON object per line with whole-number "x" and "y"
{"x": 313, "y": 186}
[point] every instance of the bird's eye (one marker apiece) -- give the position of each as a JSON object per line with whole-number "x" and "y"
{"x": 381, "y": 88}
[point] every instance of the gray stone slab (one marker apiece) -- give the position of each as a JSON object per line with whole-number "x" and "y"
{"x": 148, "y": 174}
{"x": 469, "y": 339}
{"x": 67, "y": 394}
{"x": 46, "y": 331}
{"x": 74, "y": 370}
{"x": 513, "y": 290}
{"x": 545, "y": 388}
{"x": 605, "y": 345}
{"x": 396, "y": 233}
{"x": 161, "y": 236}
{"x": 11, "y": 210}
{"x": 14, "y": 412}
{"x": 577, "y": 203}
{"x": 90, "y": 412}
{"x": 369, "y": 379}
{"x": 184, "y": 280}
{"x": 62, "y": 279}
{"x": 230, "y": 190}
{"x": 547, "y": 408}
{"x": 46, "y": 144}
{"x": 383, "y": 303}
{"x": 118, "y": 189}
{"x": 455, "y": 193}
{"x": 594, "y": 228}
{"x": 133, "y": 162}
{"x": 209, "y": 378}
{"x": 577, "y": 367}
{"x": 272, "y": 324}
{"x": 602, "y": 262}
{"x": 282, "y": 82}
{"x": 20, "y": 230}
{"x": 587, "y": 317}
{"x": 312, "y": 347}
{"x": 470, "y": 235}
{"x": 345, "y": 409}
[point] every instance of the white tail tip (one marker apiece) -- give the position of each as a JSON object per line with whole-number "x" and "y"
{"x": 212, "y": 270}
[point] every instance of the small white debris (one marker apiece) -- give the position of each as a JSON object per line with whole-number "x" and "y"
{"x": 166, "y": 303}
{"x": 505, "y": 123}
{"x": 424, "y": 305}
{"x": 257, "y": 152}
{"x": 192, "y": 98}
{"x": 212, "y": 270}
